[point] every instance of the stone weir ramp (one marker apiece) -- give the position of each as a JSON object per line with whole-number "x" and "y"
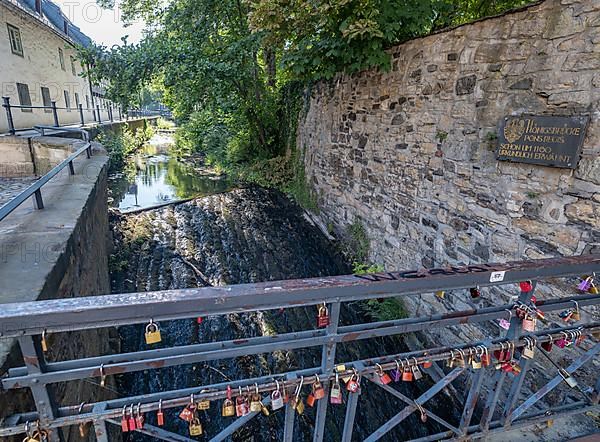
{"x": 57, "y": 252}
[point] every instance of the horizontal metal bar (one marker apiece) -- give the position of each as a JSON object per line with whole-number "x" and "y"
{"x": 115, "y": 310}
{"x": 31, "y": 190}
{"x": 157, "y": 432}
{"x": 162, "y": 358}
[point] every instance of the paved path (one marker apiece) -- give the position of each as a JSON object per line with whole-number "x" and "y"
{"x": 11, "y": 187}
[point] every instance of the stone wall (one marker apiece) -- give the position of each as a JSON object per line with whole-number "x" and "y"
{"x": 410, "y": 153}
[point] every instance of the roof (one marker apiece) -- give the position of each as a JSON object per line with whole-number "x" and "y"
{"x": 56, "y": 19}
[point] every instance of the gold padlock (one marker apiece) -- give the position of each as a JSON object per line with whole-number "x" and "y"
{"x": 440, "y": 294}
{"x": 264, "y": 409}
{"x": 255, "y": 404}
{"x": 528, "y": 351}
{"x": 228, "y": 409}
{"x": 152, "y": 334}
{"x": 195, "y": 427}
{"x": 299, "y": 405}
{"x": 203, "y": 405}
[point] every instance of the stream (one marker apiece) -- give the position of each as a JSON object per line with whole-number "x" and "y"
{"x": 232, "y": 235}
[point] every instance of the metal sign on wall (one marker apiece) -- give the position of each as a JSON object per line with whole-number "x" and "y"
{"x": 545, "y": 140}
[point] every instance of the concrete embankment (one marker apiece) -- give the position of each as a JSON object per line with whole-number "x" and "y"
{"x": 58, "y": 252}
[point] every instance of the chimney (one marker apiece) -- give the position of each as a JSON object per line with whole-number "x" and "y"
{"x": 38, "y": 6}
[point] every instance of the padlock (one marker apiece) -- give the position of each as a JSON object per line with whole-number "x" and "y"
{"x": 440, "y": 294}
{"x": 187, "y": 414}
{"x": 570, "y": 380}
{"x": 561, "y": 343}
{"x": 475, "y": 362}
{"x": 485, "y": 358}
{"x": 594, "y": 290}
{"x": 567, "y": 315}
{"x": 310, "y": 400}
{"x": 529, "y": 323}
{"x": 44, "y": 343}
{"x": 264, "y": 409}
{"x": 342, "y": 369}
{"x": 131, "y": 421}
{"x": 460, "y": 360}
{"x": 242, "y": 407}
{"x": 548, "y": 344}
{"x": 335, "y": 395}
{"x": 228, "y": 408}
{"x": 353, "y": 384}
{"x": 152, "y": 334}
{"x": 585, "y": 284}
{"x": 383, "y": 377}
{"x": 516, "y": 368}
{"x": 139, "y": 417}
{"x": 407, "y": 374}
{"x": 427, "y": 364}
{"x": 83, "y": 430}
{"x": 317, "y": 390}
{"x": 255, "y": 403}
{"x": 323, "y": 317}
{"x": 526, "y": 286}
{"x": 576, "y": 316}
{"x": 475, "y": 292}
{"x": 528, "y": 351}
{"x": 276, "y": 399}
{"x": 297, "y": 402}
{"x": 203, "y": 405}
{"x": 396, "y": 372}
{"x": 195, "y": 427}
{"x": 160, "y": 416}
{"x": 124, "y": 421}
{"x": 416, "y": 372}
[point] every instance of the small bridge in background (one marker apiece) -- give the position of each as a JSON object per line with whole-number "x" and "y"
{"x": 486, "y": 366}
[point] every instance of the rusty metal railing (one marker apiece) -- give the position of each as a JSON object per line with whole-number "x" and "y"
{"x": 29, "y": 321}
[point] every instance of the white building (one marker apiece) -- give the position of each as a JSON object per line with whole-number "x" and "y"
{"x": 38, "y": 66}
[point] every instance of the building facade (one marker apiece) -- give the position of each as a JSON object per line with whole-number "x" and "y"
{"x": 39, "y": 66}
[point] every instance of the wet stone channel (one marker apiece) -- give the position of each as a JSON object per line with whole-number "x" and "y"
{"x": 244, "y": 235}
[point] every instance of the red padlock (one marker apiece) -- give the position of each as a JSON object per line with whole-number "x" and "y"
{"x": 548, "y": 344}
{"x": 124, "y": 421}
{"x": 407, "y": 374}
{"x": 475, "y": 292}
{"x": 353, "y": 384}
{"x": 131, "y": 423}
{"x": 160, "y": 417}
{"x": 317, "y": 390}
{"x": 187, "y": 414}
{"x": 384, "y": 378}
{"x": 310, "y": 400}
{"x": 526, "y": 286}
{"x": 323, "y": 317}
{"x": 139, "y": 417}
{"x": 199, "y": 319}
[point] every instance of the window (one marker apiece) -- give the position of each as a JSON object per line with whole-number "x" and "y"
{"x": 24, "y": 97}
{"x": 14, "y": 35}
{"x": 87, "y": 101}
{"x": 61, "y": 57}
{"x": 46, "y": 99}
{"x": 67, "y": 101}
{"x": 73, "y": 65}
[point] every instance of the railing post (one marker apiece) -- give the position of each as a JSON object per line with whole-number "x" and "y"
{"x": 120, "y": 114}
{"x": 81, "y": 114}
{"x": 39, "y": 202}
{"x": 110, "y": 113}
{"x": 98, "y": 110}
{"x": 11, "y": 123}
{"x": 55, "y": 114}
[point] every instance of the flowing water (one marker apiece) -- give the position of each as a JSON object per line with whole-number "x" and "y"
{"x": 240, "y": 236}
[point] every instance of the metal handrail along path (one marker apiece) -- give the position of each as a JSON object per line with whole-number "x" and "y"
{"x": 35, "y": 190}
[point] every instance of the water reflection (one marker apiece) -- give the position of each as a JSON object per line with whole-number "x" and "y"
{"x": 153, "y": 177}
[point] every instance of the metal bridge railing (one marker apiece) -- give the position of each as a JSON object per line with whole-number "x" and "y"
{"x": 511, "y": 353}
{"x": 35, "y": 190}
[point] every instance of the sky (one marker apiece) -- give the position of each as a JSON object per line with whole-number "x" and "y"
{"x": 101, "y": 25}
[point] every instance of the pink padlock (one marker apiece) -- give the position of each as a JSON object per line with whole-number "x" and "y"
{"x": 529, "y": 323}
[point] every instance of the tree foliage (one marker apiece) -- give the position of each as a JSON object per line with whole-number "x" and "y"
{"x": 231, "y": 70}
